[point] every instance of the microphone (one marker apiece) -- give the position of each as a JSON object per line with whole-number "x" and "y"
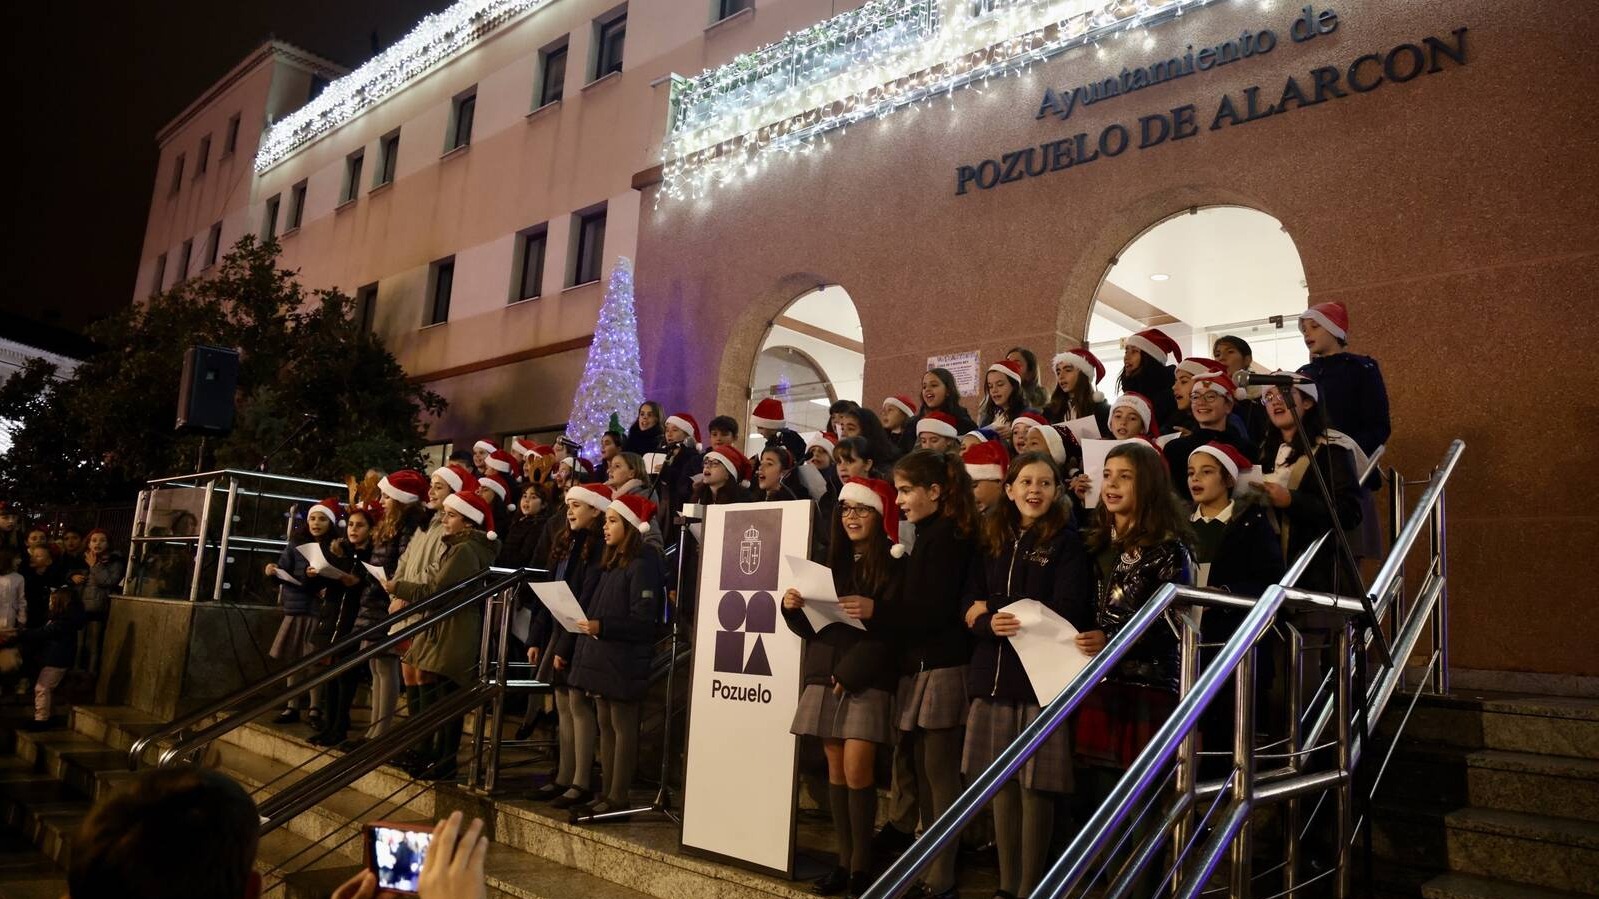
{"x": 1248, "y": 378}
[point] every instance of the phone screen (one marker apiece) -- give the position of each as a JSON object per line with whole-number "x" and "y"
{"x": 397, "y": 855}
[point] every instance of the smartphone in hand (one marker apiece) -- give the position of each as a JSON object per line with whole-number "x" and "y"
{"x": 394, "y": 852}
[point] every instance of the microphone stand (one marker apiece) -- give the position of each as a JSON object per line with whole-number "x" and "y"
{"x": 293, "y": 435}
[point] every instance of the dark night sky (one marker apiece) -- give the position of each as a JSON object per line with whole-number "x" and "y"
{"x": 93, "y": 83}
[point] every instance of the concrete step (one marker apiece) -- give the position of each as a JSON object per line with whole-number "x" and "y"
{"x": 25, "y": 873}
{"x": 1441, "y": 774}
{"x": 1470, "y": 886}
{"x": 1542, "y": 725}
{"x": 1531, "y": 849}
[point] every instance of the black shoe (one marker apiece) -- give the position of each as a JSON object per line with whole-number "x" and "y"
{"x": 524, "y": 730}
{"x": 891, "y": 841}
{"x": 923, "y": 891}
{"x": 315, "y": 721}
{"x": 287, "y": 716}
{"x": 549, "y": 791}
{"x": 859, "y": 882}
{"x": 326, "y": 739}
{"x": 568, "y": 799}
{"x": 832, "y": 884}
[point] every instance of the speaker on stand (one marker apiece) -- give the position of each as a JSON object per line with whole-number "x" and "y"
{"x": 205, "y": 394}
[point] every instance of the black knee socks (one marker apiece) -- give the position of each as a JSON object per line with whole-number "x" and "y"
{"x": 862, "y": 820}
{"x": 838, "y": 805}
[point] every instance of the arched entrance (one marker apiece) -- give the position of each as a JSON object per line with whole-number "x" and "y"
{"x": 811, "y": 356}
{"x": 1201, "y": 274}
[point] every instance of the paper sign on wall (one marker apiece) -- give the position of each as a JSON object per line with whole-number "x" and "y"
{"x": 966, "y": 367}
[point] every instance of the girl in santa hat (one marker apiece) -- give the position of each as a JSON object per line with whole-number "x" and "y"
{"x": 1184, "y": 374}
{"x": 853, "y": 457}
{"x": 1133, "y": 415}
{"x": 1147, "y": 369}
{"x": 896, "y": 416}
{"x": 1020, "y": 428}
{"x": 725, "y": 477}
{"x": 339, "y": 613}
{"x": 940, "y": 394}
{"x": 300, "y": 596}
{"x": 1030, "y": 550}
{"x": 1032, "y": 384}
{"x": 849, "y": 673}
{"x": 1077, "y": 372}
{"x": 648, "y": 430}
{"x": 1299, "y": 511}
{"x": 1004, "y": 400}
{"x": 615, "y": 644}
{"x": 405, "y": 514}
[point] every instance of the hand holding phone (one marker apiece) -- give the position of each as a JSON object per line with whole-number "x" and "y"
{"x": 395, "y": 853}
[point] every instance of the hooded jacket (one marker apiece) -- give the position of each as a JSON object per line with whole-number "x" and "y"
{"x": 450, "y": 647}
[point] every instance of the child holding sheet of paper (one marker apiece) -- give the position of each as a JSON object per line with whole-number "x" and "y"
{"x": 1030, "y": 550}
{"x": 849, "y": 672}
{"x": 300, "y": 599}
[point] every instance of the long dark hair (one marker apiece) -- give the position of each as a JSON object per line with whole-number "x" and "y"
{"x": 1312, "y": 420}
{"x": 1063, "y": 404}
{"x": 1003, "y": 524}
{"x": 637, "y": 437}
{"x": 1159, "y": 516}
{"x": 1152, "y": 379}
{"x": 869, "y": 574}
{"x": 623, "y": 554}
{"x": 1018, "y": 403}
{"x": 883, "y": 450}
{"x": 952, "y": 395}
{"x": 925, "y": 468}
{"x": 1032, "y": 387}
{"x": 789, "y": 463}
{"x": 561, "y": 546}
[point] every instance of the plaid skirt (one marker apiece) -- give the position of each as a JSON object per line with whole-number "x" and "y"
{"x": 933, "y": 699}
{"x": 294, "y": 637}
{"x": 867, "y": 715}
{"x": 1116, "y": 721}
{"x": 995, "y": 724}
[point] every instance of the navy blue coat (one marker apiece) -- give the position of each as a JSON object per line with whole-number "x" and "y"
{"x": 301, "y": 600}
{"x": 1249, "y": 559}
{"x": 1353, "y": 397}
{"x": 626, "y": 601}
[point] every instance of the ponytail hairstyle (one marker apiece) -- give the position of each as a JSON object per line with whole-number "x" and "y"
{"x": 926, "y": 468}
{"x": 1002, "y": 525}
{"x": 1159, "y": 516}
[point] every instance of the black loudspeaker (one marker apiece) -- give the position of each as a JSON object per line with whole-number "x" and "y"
{"x": 205, "y": 396}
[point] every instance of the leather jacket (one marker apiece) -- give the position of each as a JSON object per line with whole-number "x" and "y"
{"x": 1129, "y": 579}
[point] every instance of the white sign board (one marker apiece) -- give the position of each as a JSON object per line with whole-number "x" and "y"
{"x": 966, "y": 367}
{"x": 739, "y": 778}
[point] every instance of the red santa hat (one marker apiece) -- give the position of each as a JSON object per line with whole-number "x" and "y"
{"x": 936, "y": 422}
{"x": 405, "y": 486}
{"x": 1010, "y": 368}
{"x": 1214, "y": 382}
{"x": 878, "y": 495}
{"x": 495, "y": 482}
{"x": 596, "y": 495}
{"x": 541, "y": 450}
{"x": 1030, "y": 419}
{"x": 373, "y": 510}
{"x": 576, "y": 462}
{"x": 1059, "y": 439}
{"x": 1331, "y": 316}
{"x": 1156, "y": 345}
{"x": 457, "y": 477}
{"x": 685, "y": 422}
{"x": 1082, "y": 360}
{"x": 501, "y": 461}
{"x": 986, "y": 461}
{"x": 635, "y": 510}
{"x": 769, "y": 414}
{"x": 486, "y": 445}
{"x": 1232, "y": 461}
{"x": 736, "y": 463}
{"x": 824, "y": 439}
{"x": 329, "y": 507}
{"x": 520, "y": 447}
{"x": 1199, "y": 365}
{"x": 903, "y": 403}
{"x": 475, "y": 509}
{"x": 1139, "y": 404}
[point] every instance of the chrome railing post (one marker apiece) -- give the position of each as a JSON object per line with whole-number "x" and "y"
{"x": 1187, "y": 751}
{"x": 482, "y": 669}
{"x": 139, "y": 511}
{"x": 1345, "y": 794}
{"x": 222, "y": 539}
{"x": 1396, "y": 523}
{"x": 199, "y": 543}
{"x": 507, "y": 608}
{"x": 1243, "y": 770}
{"x": 1440, "y": 612}
{"x": 1294, "y": 741}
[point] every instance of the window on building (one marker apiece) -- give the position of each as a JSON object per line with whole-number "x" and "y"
{"x": 610, "y": 35}
{"x": 366, "y": 302}
{"x": 202, "y": 159}
{"x": 183, "y": 259}
{"x": 177, "y": 173}
{"x": 352, "y": 176}
{"x": 269, "y": 225}
{"x": 296, "y": 207}
{"x": 388, "y": 158}
{"x": 437, "y": 454}
{"x": 725, "y": 8}
{"x": 588, "y": 247}
{"x": 160, "y": 274}
{"x": 441, "y": 282}
{"x": 530, "y": 265}
{"x": 213, "y": 244}
{"x": 230, "y": 141}
{"x": 552, "y": 76}
{"x": 461, "y": 120}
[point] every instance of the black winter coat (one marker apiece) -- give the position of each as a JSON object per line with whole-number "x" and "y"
{"x": 1353, "y": 397}
{"x": 521, "y": 540}
{"x": 575, "y": 570}
{"x": 676, "y": 480}
{"x": 1249, "y": 559}
{"x": 1055, "y": 572}
{"x": 374, "y": 602}
{"x": 1127, "y": 581}
{"x": 626, "y": 601}
{"x": 36, "y": 587}
{"x": 1307, "y": 517}
{"x": 858, "y": 659}
{"x": 340, "y": 604}
{"x": 925, "y": 625}
{"x": 301, "y": 600}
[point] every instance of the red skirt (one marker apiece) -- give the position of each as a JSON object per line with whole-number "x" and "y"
{"x": 1116, "y": 721}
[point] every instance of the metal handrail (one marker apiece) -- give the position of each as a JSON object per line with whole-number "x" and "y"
{"x": 1389, "y": 574}
{"x": 450, "y": 597}
{"x": 201, "y": 475}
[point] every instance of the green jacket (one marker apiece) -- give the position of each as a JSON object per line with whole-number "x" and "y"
{"x": 450, "y": 648}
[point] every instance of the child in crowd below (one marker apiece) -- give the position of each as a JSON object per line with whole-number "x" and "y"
{"x": 611, "y": 661}
{"x": 300, "y": 597}
{"x": 1004, "y": 401}
{"x": 1032, "y": 384}
{"x": 1077, "y": 372}
{"x": 936, "y": 431}
{"x": 40, "y": 575}
{"x": 12, "y": 535}
{"x": 646, "y": 432}
{"x": 1133, "y": 415}
{"x": 896, "y": 415}
{"x": 1183, "y": 378}
{"x": 723, "y": 430}
{"x": 405, "y": 514}
{"x": 50, "y": 649}
{"x": 1030, "y": 550}
{"x": 849, "y": 674}
{"x": 13, "y": 618}
{"x": 940, "y": 394}
{"x": 1145, "y": 370}
{"x": 106, "y": 570}
{"x": 985, "y": 464}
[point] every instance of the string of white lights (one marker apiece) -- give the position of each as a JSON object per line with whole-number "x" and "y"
{"x": 435, "y": 39}
{"x": 783, "y": 99}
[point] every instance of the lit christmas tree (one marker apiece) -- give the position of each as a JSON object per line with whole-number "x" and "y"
{"x": 613, "y": 383}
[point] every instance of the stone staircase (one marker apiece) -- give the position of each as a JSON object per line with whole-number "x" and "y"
{"x": 1492, "y": 795}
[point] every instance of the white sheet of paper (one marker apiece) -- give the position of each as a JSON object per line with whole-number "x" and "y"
{"x": 558, "y": 598}
{"x": 814, "y": 581}
{"x": 1085, "y": 428}
{"x": 286, "y": 577}
{"x": 1045, "y": 646}
{"x": 522, "y": 623}
{"x": 1164, "y": 439}
{"x": 376, "y": 571}
{"x": 697, "y": 528}
{"x": 1094, "y": 452}
{"x": 313, "y": 554}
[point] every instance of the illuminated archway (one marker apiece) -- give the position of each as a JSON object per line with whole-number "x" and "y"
{"x": 810, "y": 356}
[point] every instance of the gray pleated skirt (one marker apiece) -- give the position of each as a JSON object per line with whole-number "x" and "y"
{"x": 996, "y": 723}
{"x": 932, "y": 699}
{"x": 867, "y": 715}
{"x": 294, "y": 637}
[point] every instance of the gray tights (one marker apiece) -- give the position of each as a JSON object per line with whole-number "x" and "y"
{"x": 1023, "y": 820}
{"x": 386, "y": 689}
{"x": 937, "y": 756}
{"x": 618, "y": 746}
{"x": 578, "y": 733}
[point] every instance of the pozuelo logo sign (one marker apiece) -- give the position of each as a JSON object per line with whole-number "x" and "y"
{"x": 749, "y": 563}
{"x": 739, "y": 619}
